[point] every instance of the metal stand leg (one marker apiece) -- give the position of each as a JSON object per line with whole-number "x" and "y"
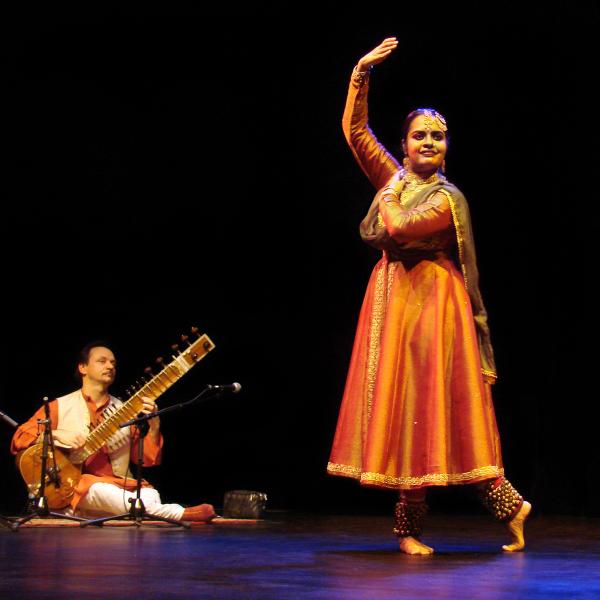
{"x": 40, "y": 508}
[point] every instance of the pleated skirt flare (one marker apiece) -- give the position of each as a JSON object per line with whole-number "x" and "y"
{"x": 416, "y": 411}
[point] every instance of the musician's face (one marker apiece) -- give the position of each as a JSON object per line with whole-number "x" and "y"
{"x": 101, "y": 366}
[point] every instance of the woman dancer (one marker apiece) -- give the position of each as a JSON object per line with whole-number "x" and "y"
{"x": 417, "y": 408}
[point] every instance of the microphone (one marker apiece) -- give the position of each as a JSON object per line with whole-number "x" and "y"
{"x": 8, "y": 420}
{"x": 234, "y": 388}
{"x": 45, "y": 400}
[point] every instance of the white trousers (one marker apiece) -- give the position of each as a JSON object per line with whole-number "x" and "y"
{"x": 104, "y": 499}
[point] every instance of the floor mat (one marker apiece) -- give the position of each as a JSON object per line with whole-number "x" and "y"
{"x": 56, "y": 522}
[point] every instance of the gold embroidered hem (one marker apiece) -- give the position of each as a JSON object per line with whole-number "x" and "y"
{"x": 375, "y": 332}
{"x": 440, "y": 479}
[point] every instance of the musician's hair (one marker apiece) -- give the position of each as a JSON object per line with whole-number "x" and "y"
{"x": 84, "y": 355}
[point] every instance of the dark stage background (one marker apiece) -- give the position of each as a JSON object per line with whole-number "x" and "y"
{"x": 168, "y": 170}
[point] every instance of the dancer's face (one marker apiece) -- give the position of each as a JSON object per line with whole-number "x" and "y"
{"x": 425, "y": 146}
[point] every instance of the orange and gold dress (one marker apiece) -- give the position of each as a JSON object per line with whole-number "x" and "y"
{"x": 417, "y": 408}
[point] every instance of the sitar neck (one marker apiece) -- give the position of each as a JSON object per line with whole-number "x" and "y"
{"x": 152, "y": 388}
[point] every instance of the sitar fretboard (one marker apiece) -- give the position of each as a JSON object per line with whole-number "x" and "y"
{"x": 153, "y": 388}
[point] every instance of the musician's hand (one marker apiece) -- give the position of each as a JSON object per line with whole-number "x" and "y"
{"x": 150, "y": 407}
{"x": 378, "y": 54}
{"x": 72, "y": 439}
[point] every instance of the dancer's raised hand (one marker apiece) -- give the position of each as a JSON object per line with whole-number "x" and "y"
{"x": 378, "y": 54}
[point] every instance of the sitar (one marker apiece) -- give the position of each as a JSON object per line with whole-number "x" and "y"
{"x": 65, "y": 468}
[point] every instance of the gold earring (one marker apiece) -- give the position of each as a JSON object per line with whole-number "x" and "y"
{"x": 406, "y": 163}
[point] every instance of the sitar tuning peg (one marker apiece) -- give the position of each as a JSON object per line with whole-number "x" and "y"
{"x": 175, "y": 348}
{"x": 160, "y": 361}
{"x": 195, "y": 331}
{"x": 186, "y": 340}
{"x": 148, "y": 374}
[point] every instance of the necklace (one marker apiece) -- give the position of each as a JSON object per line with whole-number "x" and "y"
{"x": 413, "y": 183}
{"x": 412, "y": 180}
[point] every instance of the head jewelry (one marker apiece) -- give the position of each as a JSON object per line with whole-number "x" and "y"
{"x": 432, "y": 118}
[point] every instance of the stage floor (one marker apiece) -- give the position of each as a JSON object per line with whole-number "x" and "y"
{"x": 291, "y": 556}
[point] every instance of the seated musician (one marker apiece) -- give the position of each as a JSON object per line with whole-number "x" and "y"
{"x": 106, "y": 483}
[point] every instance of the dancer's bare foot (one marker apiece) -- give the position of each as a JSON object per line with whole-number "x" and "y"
{"x": 515, "y": 528}
{"x": 411, "y": 545}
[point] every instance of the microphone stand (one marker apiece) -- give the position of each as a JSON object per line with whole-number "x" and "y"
{"x": 40, "y": 505}
{"x": 137, "y": 512}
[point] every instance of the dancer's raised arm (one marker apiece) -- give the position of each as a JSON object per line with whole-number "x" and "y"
{"x": 377, "y": 163}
